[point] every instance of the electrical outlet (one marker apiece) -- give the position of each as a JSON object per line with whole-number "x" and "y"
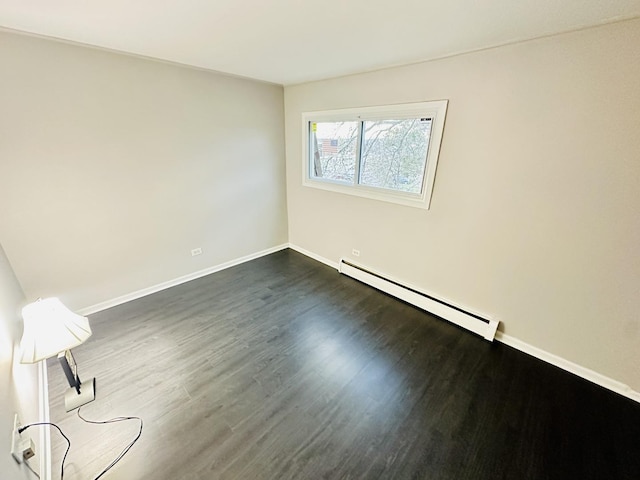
{"x": 16, "y": 440}
{"x": 22, "y": 447}
{"x": 355, "y": 253}
{"x": 196, "y": 251}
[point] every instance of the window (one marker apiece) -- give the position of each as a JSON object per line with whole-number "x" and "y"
{"x": 386, "y": 153}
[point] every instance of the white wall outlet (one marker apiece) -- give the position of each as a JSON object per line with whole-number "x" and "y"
{"x": 16, "y": 440}
{"x": 355, "y": 253}
{"x": 22, "y": 447}
{"x": 196, "y": 251}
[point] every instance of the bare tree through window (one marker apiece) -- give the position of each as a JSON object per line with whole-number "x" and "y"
{"x": 387, "y": 152}
{"x": 392, "y": 153}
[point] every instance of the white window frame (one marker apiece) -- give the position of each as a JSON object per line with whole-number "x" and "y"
{"x": 436, "y": 110}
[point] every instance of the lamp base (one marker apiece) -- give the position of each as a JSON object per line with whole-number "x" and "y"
{"x": 73, "y": 400}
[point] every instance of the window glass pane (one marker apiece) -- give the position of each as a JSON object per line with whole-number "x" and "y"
{"x": 333, "y": 150}
{"x": 394, "y": 153}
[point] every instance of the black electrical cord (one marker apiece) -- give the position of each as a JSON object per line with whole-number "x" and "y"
{"x": 22, "y": 429}
{"x": 126, "y": 449}
{"x": 111, "y": 420}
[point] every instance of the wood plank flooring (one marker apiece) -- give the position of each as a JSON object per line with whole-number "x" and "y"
{"x": 280, "y": 368}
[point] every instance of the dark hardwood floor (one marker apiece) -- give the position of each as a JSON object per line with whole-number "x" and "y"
{"x": 281, "y": 368}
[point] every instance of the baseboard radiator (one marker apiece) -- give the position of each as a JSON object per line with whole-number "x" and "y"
{"x": 481, "y": 326}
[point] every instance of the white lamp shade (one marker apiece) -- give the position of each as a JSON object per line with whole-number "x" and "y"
{"x": 50, "y": 328}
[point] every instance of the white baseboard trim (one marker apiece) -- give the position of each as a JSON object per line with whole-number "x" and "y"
{"x": 45, "y": 433}
{"x": 560, "y": 362}
{"x": 583, "y": 372}
{"x": 177, "y": 281}
{"x": 564, "y": 364}
{"x": 316, "y": 257}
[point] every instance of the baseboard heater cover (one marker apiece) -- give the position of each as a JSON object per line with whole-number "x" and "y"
{"x": 470, "y": 321}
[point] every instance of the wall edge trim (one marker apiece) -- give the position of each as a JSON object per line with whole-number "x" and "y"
{"x": 45, "y": 433}
{"x": 177, "y": 281}
{"x": 566, "y": 365}
{"x": 314, "y": 256}
{"x": 569, "y": 366}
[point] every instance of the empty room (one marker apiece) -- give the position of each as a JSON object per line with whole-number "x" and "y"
{"x": 336, "y": 240}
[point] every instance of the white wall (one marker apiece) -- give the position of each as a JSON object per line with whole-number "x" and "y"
{"x": 18, "y": 383}
{"x": 534, "y": 219}
{"x": 113, "y": 168}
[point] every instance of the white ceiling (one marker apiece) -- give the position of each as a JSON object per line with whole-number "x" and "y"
{"x": 293, "y": 41}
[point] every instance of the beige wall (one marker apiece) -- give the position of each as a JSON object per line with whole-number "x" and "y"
{"x": 18, "y": 383}
{"x": 113, "y": 168}
{"x": 534, "y": 219}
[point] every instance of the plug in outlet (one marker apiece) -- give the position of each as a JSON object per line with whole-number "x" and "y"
{"x": 22, "y": 447}
{"x": 16, "y": 440}
{"x": 196, "y": 251}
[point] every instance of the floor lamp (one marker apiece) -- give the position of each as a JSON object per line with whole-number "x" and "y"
{"x": 52, "y": 329}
